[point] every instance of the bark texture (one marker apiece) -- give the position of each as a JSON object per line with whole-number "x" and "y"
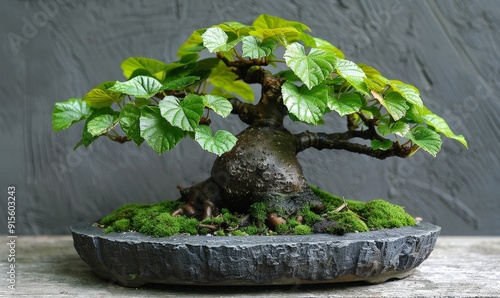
{"x": 263, "y": 166}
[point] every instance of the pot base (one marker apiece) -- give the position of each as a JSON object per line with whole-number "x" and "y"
{"x": 133, "y": 259}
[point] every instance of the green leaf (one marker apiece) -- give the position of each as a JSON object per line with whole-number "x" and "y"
{"x": 426, "y": 139}
{"x": 440, "y": 125}
{"x": 105, "y": 85}
{"x": 129, "y": 121}
{"x": 204, "y": 67}
{"x": 255, "y": 50}
{"x": 410, "y": 93}
{"x": 382, "y": 145}
{"x": 347, "y": 103}
{"x": 375, "y": 81}
{"x": 289, "y": 75}
{"x": 233, "y": 26}
{"x": 285, "y": 35}
{"x": 369, "y": 71}
{"x": 100, "y": 98}
{"x": 139, "y": 72}
{"x": 399, "y": 128}
{"x": 269, "y": 22}
{"x": 221, "y": 142}
{"x": 155, "y": 67}
{"x": 353, "y": 74}
{"x": 239, "y": 29}
{"x": 187, "y": 59}
{"x": 139, "y": 102}
{"x": 177, "y": 70}
{"x": 87, "y": 136}
{"x": 185, "y": 114}
{"x": 223, "y": 78}
{"x": 312, "y": 68}
{"x": 319, "y": 43}
{"x": 102, "y": 124}
{"x": 68, "y": 112}
{"x": 231, "y": 32}
{"x": 218, "y": 104}
{"x": 413, "y": 115}
{"x": 395, "y": 105}
{"x": 307, "y": 105}
{"x": 158, "y": 133}
{"x": 370, "y": 112}
{"x": 180, "y": 83}
{"x": 140, "y": 87}
{"x": 193, "y": 44}
{"x": 216, "y": 40}
{"x": 338, "y": 80}
{"x": 378, "y": 83}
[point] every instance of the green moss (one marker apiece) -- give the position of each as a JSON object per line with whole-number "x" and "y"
{"x": 347, "y": 222}
{"x": 120, "y": 225}
{"x": 355, "y": 206}
{"x": 156, "y": 219}
{"x": 310, "y": 218}
{"x": 217, "y": 220}
{"x": 188, "y": 225}
{"x": 302, "y": 230}
{"x": 271, "y": 233}
{"x": 332, "y": 202}
{"x": 380, "y": 214}
{"x": 329, "y": 200}
{"x": 282, "y": 228}
{"x": 293, "y": 223}
{"x": 230, "y": 219}
{"x": 142, "y": 216}
{"x": 259, "y": 211}
{"x": 238, "y": 233}
{"x": 251, "y": 230}
{"x": 205, "y": 231}
{"x": 170, "y": 206}
{"x": 162, "y": 225}
{"x": 220, "y": 233}
{"x": 124, "y": 211}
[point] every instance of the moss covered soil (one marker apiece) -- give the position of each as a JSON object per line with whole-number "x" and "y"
{"x": 338, "y": 217}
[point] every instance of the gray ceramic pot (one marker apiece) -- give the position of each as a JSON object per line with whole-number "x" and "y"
{"x": 133, "y": 259}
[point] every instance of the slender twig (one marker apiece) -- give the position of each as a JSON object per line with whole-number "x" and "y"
{"x": 233, "y": 228}
{"x": 338, "y": 209}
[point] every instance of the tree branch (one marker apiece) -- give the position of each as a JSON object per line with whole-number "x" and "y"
{"x": 242, "y": 67}
{"x": 341, "y": 141}
{"x": 245, "y": 111}
{"x": 351, "y": 122}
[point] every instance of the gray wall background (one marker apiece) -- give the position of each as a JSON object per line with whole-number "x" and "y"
{"x": 448, "y": 49}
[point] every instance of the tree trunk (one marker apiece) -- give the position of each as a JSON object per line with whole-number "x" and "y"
{"x": 262, "y": 167}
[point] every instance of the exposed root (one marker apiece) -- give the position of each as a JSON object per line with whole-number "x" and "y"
{"x": 210, "y": 227}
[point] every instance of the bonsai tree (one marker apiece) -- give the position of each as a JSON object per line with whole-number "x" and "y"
{"x": 301, "y": 77}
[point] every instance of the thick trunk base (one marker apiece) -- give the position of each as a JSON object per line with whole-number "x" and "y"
{"x": 262, "y": 167}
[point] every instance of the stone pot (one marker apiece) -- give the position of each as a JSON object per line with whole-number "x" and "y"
{"x": 133, "y": 259}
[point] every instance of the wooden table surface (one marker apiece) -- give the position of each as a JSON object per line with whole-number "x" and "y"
{"x": 49, "y": 266}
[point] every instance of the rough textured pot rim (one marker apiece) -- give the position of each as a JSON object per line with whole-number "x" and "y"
{"x": 134, "y": 259}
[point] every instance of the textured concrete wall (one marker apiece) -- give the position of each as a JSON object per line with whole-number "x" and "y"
{"x": 448, "y": 49}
